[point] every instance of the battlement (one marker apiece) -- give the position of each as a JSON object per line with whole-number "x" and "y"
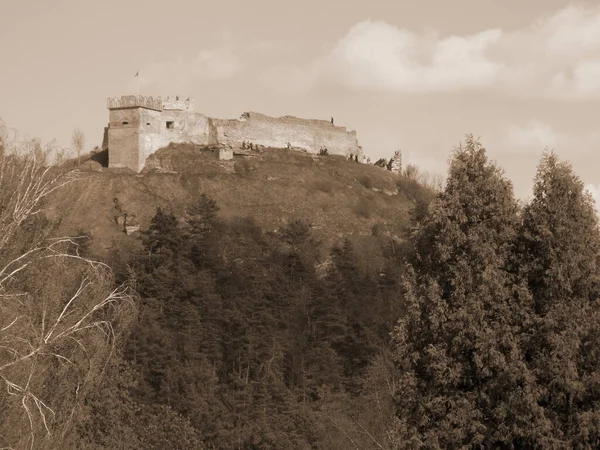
{"x": 141, "y": 125}
{"x": 179, "y": 103}
{"x": 135, "y": 101}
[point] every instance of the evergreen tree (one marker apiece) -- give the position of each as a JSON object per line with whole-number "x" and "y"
{"x": 558, "y": 249}
{"x": 163, "y": 234}
{"x": 202, "y": 216}
{"x": 203, "y": 234}
{"x": 463, "y": 381}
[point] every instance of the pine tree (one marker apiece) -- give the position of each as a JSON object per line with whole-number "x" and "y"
{"x": 163, "y": 234}
{"x": 463, "y": 379}
{"x": 203, "y": 232}
{"x": 202, "y": 216}
{"x": 558, "y": 249}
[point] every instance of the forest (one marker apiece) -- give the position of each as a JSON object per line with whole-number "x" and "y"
{"x": 481, "y": 328}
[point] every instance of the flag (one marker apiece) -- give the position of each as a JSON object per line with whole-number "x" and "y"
{"x": 136, "y": 74}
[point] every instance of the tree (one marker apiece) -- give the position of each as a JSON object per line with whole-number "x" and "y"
{"x": 78, "y": 142}
{"x": 557, "y": 255}
{"x": 202, "y": 216}
{"x": 462, "y": 380}
{"x": 163, "y": 234}
{"x": 58, "y": 309}
{"x": 203, "y": 225}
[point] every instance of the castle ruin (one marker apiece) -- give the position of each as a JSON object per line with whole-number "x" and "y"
{"x": 139, "y": 126}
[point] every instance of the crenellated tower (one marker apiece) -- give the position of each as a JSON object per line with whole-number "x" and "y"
{"x": 132, "y": 120}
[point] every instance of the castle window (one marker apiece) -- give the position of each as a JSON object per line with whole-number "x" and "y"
{"x": 148, "y": 123}
{"x": 170, "y": 124}
{"x": 124, "y": 123}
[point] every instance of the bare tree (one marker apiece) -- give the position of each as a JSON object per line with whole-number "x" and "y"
{"x": 25, "y": 182}
{"x": 78, "y": 142}
{"x": 57, "y": 308}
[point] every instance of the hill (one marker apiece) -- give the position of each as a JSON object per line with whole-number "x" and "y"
{"x": 336, "y": 197}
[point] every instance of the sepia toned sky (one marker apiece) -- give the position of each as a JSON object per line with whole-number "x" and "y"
{"x": 414, "y": 76}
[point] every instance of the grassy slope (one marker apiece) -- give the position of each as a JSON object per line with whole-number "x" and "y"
{"x": 338, "y": 197}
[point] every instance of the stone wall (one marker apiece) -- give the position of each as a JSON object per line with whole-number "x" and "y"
{"x": 225, "y": 154}
{"x": 136, "y": 133}
{"x": 140, "y": 126}
{"x": 123, "y": 138}
{"x": 287, "y": 131}
{"x": 187, "y": 104}
{"x": 159, "y": 128}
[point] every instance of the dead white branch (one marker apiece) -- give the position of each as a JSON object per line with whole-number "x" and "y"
{"x": 68, "y": 322}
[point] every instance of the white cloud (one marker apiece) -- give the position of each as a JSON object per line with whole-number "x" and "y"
{"x": 557, "y": 56}
{"x": 377, "y": 54}
{"x": 583, "y": 81}
{"x": 534, "y": 135}
{"x": 571, "y": 32}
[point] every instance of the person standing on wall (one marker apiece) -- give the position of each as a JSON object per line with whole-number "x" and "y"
{"x": 332, "y": 121}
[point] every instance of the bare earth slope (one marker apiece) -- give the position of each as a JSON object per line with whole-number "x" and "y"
{"x": 337, "y": 197}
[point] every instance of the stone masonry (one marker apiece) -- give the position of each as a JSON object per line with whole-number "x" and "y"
{"x": 139, "y": 126}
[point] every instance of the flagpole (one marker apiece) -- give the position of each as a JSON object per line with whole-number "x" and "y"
{"x": 138, "y": 82}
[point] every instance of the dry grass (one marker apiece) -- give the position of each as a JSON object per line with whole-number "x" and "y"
{"x": 273, "y": 187}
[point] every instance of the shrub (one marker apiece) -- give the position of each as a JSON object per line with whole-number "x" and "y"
{"x": 366, "y": 181}
{"x": 378, "y": 229}
{"x": 365, "y": 207}
{"x": 243, "y": 167}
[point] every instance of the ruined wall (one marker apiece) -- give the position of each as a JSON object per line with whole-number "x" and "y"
{"x": 104, "y": 139}
{"x": 140, "y": 125}
{"x": 135, "y": 133}
{"x": 158, "y": 129}
{"x": 278, "y": 132}
{"x": 225, "y": 154}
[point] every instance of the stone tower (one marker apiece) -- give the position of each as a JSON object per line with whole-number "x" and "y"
{"x": 134, "y": 120}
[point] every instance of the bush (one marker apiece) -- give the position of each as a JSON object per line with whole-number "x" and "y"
{"x": 365, "y": 207}
{"x": 243, "y": 167}
{"x": 378, "y": 229}
{"x": 366, "y": 181}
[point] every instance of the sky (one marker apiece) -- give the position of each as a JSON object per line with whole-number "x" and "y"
{"x": 418, "y": 76}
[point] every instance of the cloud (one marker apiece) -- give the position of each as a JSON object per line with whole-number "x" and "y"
{"x": 377, "y": 54}
{"x": 571, "y": 32}
{"x": 208, "y": 64}
{"x": 555, "y": 56}
{"x": 535, "y": 136}
{"x": 581, "y": 82}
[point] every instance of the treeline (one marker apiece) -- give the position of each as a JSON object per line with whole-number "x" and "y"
{"x": 481, "y": 330}
{"x": 250, "y": 341}
{"x": 496, "y": 342}
{"x": 500, "y": 343}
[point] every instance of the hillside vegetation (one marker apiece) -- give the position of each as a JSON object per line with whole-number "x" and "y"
{"x": 335, "y": 197}
{"x": 454, "y": 319}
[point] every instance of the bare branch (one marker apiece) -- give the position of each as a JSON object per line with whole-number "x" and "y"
{"x": 365, "y": 430}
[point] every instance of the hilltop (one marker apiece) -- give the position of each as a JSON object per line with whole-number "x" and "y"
{"x": 336, "y": 197}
